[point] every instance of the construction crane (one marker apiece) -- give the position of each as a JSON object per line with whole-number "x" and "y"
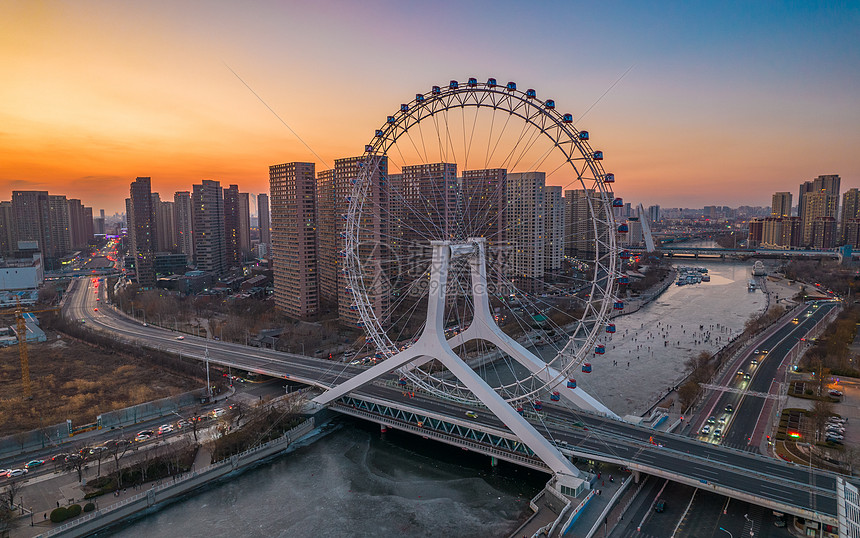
{"x": 21, "y": 327}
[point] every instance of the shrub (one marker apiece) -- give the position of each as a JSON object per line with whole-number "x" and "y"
{"x": 58, "y": 515}
{"x": 74, "y": 510}
{"x": 89, "y": 507}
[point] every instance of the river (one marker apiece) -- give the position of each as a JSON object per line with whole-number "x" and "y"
{"x": 358, "y": 482}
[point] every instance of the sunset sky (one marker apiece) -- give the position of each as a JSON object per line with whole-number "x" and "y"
{"x": 725, "y": 103}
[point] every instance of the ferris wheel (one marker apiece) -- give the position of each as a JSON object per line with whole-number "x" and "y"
{"x": 498, "y": 181}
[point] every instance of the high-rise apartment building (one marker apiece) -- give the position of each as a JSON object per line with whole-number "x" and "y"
{"x": 244, "y": 226}
{"x": 654, "y": 214}
{"x": 7, "y": 230}
{"x": 183, "y": 222}
{"x": 824, "y": 232}
{"x": 850, "y": 211}
{"x": 60, "y": 227}
{"x": 231, "y": 225}
{"x": 329, "y": 208}
{"x": 294, "y": 252}
{"x": 781, "y": 204}
{"x": 375, "y": 235}
{"x": 263, "y": 222}
{"x": 818, "y": 198}
{"x": 165, "y": 224}
{"x": 484, "y": 195}
{"x": 43, "y": 218}
{"x": 581, "y": 206}
{"x": 554, "y": 229}
{"x": 142, "y": 230}
{"x": 526, "y": 228}
{"x": 210, "y": 244}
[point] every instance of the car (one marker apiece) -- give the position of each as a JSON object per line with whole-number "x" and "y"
{"x": 753, "y": 362}
{"x": 183, "y": 424}
{"x": 180, "y": 338}
{"x": 795, "y": 320}
{"x": 98, "y": 450}
{"x": 835, "y": 393}
{"x": 218, "y": 411}
{"x": 95, "y": 309}
{"x": 718, "y": 433}
{"x": 471, "y": 414}
{"x": 711, "y": 420}
{"x": 833, "y": 435}
{"x": 740, "y": 372}
{"x": 747, "y": 376}
{"x": 730, "y": 408}
{"x": 660, "y": 506}
{"x": 723, "y": 419}
{"x": 779, "y": 522}
{"x": 165, "y": 428}
{"x": 706, "y": 429}
{"x": 764, "y": 351}
{"x": 145, "y": 325}
{"x": 834, "y": 440}
{"x": 16, "y": 472}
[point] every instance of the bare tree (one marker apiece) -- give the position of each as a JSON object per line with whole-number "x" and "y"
{"x": 821, "y": 411}
{"x": 11, "y": 492}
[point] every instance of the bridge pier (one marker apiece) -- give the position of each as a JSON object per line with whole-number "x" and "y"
{"x": 383, "y": 428}
{"x": 635, "y": 475}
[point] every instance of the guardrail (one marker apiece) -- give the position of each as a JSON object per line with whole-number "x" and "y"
{"x": 178, "y": 486}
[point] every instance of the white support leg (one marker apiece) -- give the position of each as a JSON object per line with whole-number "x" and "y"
{"x": 433, "y": 345}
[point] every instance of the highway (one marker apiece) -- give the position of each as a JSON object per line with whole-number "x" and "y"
{"x": 789, "y": 488}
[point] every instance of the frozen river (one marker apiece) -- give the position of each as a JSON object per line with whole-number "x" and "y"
{"x": 647, "y": 353}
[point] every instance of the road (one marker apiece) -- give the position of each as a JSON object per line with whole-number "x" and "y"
{"x": 741, "y": 425}
{"x": 794, "y": 489}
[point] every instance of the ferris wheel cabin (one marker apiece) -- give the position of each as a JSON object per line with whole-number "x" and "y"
{"x": 531, "y": 94}
{"x": 618, "y": 202}
{"x": 549, "y": 104}
{"x": 598, "y": 155}
{"x": 436, "y": 90}
{"x": 583, "y": 135}
{"x": 473, "y": 83}
{"x": 512, "y": 86}
{"x": 491, "y": 82}
{"x": 453, "y": 85}
{"x": 610, "y": 328}
{"x": 586, "y": 367}
{"x": 571, "y": 383}
{"x": 609, "y": 178}
{"x": 567, "y": 118}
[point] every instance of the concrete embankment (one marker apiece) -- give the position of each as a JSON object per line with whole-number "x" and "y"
{"x": 159, "y": 495}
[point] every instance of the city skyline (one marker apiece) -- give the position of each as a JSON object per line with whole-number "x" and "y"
{"x": 693, "y": 106}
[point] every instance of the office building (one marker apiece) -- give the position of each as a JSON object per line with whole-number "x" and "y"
{"x": 294, "y": 251}
{"x": 7, "y": 230}
{"x": 207, "y": 214}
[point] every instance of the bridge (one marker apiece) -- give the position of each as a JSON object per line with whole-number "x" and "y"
{"x": 677, "y": 251}
{"x": 805, "y": 492}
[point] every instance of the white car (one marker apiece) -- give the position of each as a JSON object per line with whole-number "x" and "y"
{"x": 180, "y": 338}
{"x": 16, "y": 472}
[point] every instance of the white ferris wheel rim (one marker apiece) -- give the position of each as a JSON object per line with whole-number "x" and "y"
{"x": 562, "y": 134}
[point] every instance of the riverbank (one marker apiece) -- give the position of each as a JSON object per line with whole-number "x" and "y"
{"x": 635, "y": 304}
{"x": 152, "y": 496}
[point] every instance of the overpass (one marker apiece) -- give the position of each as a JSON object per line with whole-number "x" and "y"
{"x": 804, "y": 492}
